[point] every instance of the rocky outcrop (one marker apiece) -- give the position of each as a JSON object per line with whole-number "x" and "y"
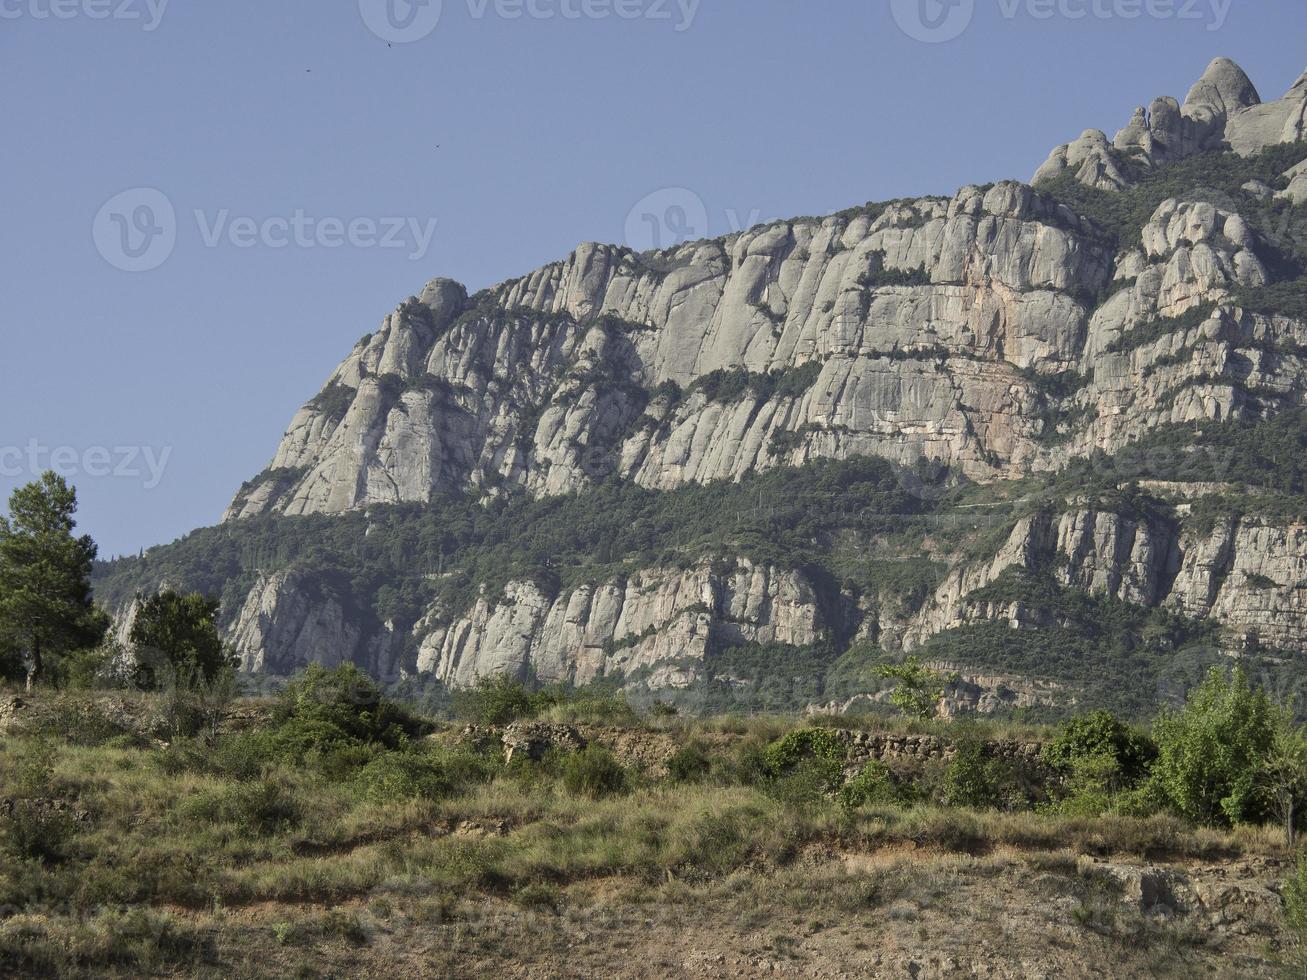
{"x": 289, "y": 621}
{"x": 996, "y": 332}
{"x": 1090, "y": 159}
{"x": 655, "y": 628}
{"x": 1222, "y": 109}
{"x": 1247, "y": 574}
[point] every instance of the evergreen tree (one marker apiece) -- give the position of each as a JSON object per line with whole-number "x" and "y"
{"x": 45, "y": 577}
{"x": 178, "y": 634}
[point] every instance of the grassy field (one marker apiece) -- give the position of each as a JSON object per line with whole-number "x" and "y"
{"x": 274, "y": 848}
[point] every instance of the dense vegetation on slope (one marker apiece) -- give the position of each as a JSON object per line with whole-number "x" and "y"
{"x": 410, "y": 555}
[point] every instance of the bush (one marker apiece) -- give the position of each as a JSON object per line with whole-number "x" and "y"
{"x": 1211, "y": 752}
{"x": 919, "y": 688}
{"x": 33, "y": 773}
{"x": 688, "y": 764}
{"x": 589, "y": 707}
{"x": 787, "y": 752}
{"x": 398, "y": 777}
{"x": 266, "y": 807}
{"x": 496, "y": 700}
{"x": 191, "y": 702}
{"x": 809, "y": 782}
{"x": 345, "y": 704}
{"x": 36, "y": 830}
{"x": 78, "y": 719}
{"x": 873, "y": 786}
{"x": 595, "y": 773}
{"x": 1091, "y": 783}
{"x": 85, "y": 670}
{"x": 335, "y": 722}
{"x": 804, "y": 766}
{"x": 973, "y": 779}
{"x": 1102, "y": 734}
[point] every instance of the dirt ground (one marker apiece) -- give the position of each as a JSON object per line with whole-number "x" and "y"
{"x": 898, "y": 914}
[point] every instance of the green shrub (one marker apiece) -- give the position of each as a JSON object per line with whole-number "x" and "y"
{"x": 810, "y": 781}
{"x": 541, "y": 897}
{"x": 594, "y": 772}
{"x": 1211, "y": 751}
{"x": 397, "y": 777}
{"x": 84, "y": 670}
{"x": 345, "y": 704}
{"x": 36, "y": 830}
{"x": 787, "y": 752}
{"x": 804, "y": 766}
{"x": 1097, "y": 734}
{"x": 919, "y": 689}
{"x": 496, "y": 700}
{"x": 80, "y": 720}
{"x": 265, "y": 806}
{"x": 688, "y": 764}
{"x": 1090, "y": 788}
{"x": 974, "y": 779}
{"x": 873, "y": 786}
{"x": 745, "y": 765}
{"x": 33, "y": 770}
{"x": 185, "y": 755}
{"x": 588, "y": 707}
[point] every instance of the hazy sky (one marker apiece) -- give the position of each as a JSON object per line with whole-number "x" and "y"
{"x": 477, "y": 144}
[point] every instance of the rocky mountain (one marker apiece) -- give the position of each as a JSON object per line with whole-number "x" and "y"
{"x": 1088, "y": 397}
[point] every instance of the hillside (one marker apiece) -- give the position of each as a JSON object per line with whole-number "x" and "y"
{"x": 330, "y": 833}
{"x": 1049, "y": 435}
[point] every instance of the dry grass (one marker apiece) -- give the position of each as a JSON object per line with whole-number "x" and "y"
{"x": 186, "y": 871}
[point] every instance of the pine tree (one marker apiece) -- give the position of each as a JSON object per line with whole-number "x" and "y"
{"x": 45, "y": 576}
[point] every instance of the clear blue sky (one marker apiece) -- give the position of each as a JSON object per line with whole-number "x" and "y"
{"x": 521, "y": 136}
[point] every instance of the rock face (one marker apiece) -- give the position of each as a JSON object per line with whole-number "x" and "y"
{"x": 657, "y": 627}
{"x": 915, "y": 333}
{"x": 288, "y": 623}
{"x": 1222, "y": 109}
{"x": 1247, "y": 574}
{"x": 933, "y": 329}
{"x": 531, "y": 387}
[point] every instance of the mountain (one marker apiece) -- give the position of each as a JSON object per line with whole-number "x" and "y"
{"x": 1051, "y": 435}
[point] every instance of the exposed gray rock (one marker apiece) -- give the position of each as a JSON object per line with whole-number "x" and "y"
{"x": 288, "y": 623}
{"x": 657, "y": 626}
{"x": 1249, "y": 575}
{"x": 1090, "y": 158}
{"x": 1222, "y": 109}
